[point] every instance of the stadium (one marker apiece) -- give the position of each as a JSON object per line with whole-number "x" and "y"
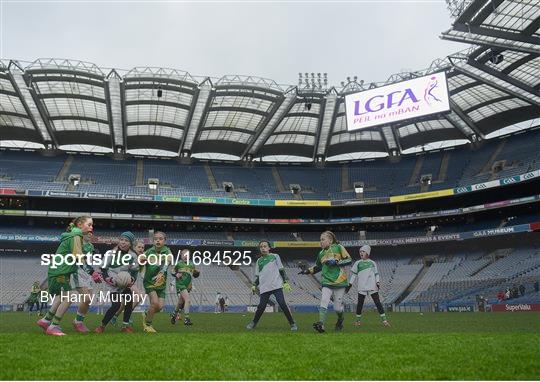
{"x": 447, "y": 202}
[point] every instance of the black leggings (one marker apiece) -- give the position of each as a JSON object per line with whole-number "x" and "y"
{"x": 376, "y": 300}
{"x": 120, "y": 296}
{"x": 278, "y": 293}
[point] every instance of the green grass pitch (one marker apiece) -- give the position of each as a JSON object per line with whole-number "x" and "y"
{"x": 429, "y": 346}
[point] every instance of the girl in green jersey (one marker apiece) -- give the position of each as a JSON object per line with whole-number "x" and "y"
{"x": 59, "y": 277}
{"x": 331, "y": 261}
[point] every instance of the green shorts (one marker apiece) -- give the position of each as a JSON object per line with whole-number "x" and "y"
{"x": 60, "y": 283}
{"x": 181, "y": 287}
{"x": 160, "y": 292}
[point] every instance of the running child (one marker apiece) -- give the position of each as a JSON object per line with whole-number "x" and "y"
{"x": 138, "y": 296}
{"x": 270, "y": 279}
{"x": 184, "y": 272}
{"x": 369, "y": 282}
{"x": 158, "y": 258}
{"x": 83, "y": 281}
{"x": 120, "y": 259}
{"x": 33, "y": 299}
{"x": 59, "y": 277}
{"x": 331, "y": 260}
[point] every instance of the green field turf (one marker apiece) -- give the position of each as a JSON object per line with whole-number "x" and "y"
{"x": 428, "y": 346}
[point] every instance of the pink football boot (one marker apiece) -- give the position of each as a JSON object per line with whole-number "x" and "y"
{"x": 55, "y": 331}
{"x": 43, "y": 324}
{"x": 80, "y": 327}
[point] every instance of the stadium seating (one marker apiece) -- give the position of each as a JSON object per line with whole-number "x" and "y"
{"x": 517, "y": 154}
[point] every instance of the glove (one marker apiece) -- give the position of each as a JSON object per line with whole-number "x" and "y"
{"x": 331, "y": 262}
{"x": 254, "y": 289}
{"x": 159, "y": 279}
{"x": 287, "y": 286}
{"x": 97, "y": 277}
{"x": 196, "y": 273}
{"x": 110, "y": 281}
{"x": 348, "y": 288}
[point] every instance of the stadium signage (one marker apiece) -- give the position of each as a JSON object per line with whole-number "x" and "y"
{"x": 460, "y": 308}
{"x": 422, "y": 195}
{"x": 515, "y": 307}
{"x": 245, "y": 202}
{"x": 514, "y": 179}
{"x": 529, "y": 175}
{"x": 462, "y": 190}
{"x": 217, "y": 243}
{"x": 62, "y": 194}
{"x": 396, "y": 102}
{"x": 99, "y": 195}
{"x": 8, "y": 191}
{"x": 137, "y": 197}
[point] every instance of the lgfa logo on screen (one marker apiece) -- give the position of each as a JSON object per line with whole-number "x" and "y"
{"x": 415, "y": 98}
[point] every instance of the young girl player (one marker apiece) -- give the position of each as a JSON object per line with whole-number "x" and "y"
{"x": 184, "y": 272}
{"x": 117, "y": 262}
{"x": 270, "y": 279}
{"x": 138, "y": 248}
{"x": 331, "y": 261}
{"x": 158, "y": 257}
{"x": 59, "y": 277}
{"x": 365, "y": 272}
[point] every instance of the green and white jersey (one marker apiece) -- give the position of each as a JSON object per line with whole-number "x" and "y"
{"x": 332, "y": 276}
{"x": 366, "y": 274}
{"x": 267, "y": 273}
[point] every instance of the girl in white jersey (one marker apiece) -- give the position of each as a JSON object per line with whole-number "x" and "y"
{"x": 121, "y": 258}
{"x": 270, "y": 279}
{"x": 365, "y": 272}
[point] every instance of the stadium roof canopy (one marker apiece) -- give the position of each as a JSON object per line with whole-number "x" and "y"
{"x": 494, "y": 84}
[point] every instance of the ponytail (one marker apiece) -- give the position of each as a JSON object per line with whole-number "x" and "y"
{"x": 75, "y": 222}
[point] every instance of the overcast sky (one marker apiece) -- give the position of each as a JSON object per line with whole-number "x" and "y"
{"x": 276, "y": 40}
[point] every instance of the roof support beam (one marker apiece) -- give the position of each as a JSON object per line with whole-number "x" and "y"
{"x": 328, "y": 119}
{"x": 487, "y": 103}
{"x": 395, "y": 133}
{"x": 275, "y": 108}
{"x": 77, "y": 118}
{"x": 200, "y": 108}
{"x": 238, "y": 109}
{"x": 227, "y": 128}
{"x": 33, "y": 108}
{"x": 470, "y": 39}
{"x": 496, "y": 33}
{"x": 516, "y": 64}
{"x": 158, "y": 103}
{"x": 114, "y": 111}
{"x": 466, "y": 133}
{"x": 465, "y": 118}
{"x": 75, "y": 80}
{"x": 497, "y": 86}
{"x": 504, "y": 77}
{"x": 273, "y": 123}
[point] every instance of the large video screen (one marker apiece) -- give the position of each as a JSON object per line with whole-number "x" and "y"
{"x": 404, "y": 100}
